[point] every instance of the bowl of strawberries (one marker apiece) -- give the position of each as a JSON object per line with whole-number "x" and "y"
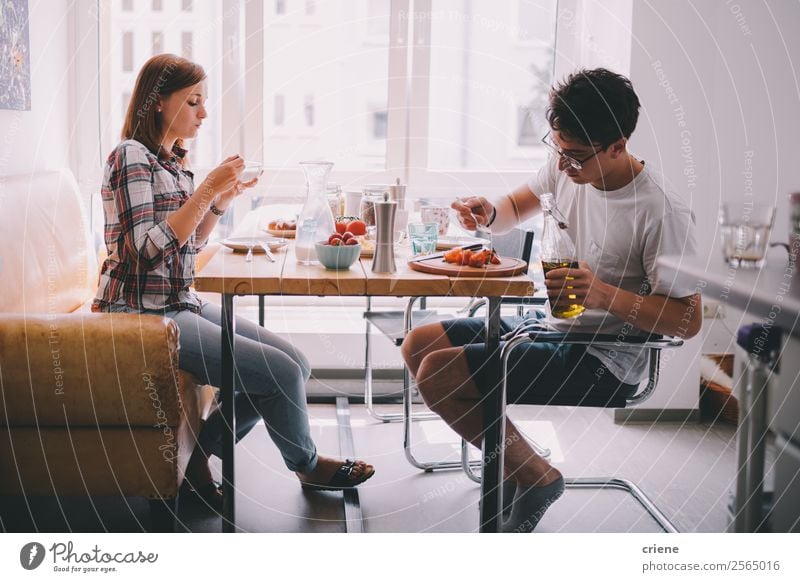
{"x": 339, "y": 252}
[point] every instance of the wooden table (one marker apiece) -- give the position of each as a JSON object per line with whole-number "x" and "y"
{"x": 228, "y": 274}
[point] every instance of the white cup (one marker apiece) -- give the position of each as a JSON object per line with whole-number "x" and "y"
{"x": 439, "y": 215}
{"x": 251, "y": 170}
{"x": 352, "y": 202}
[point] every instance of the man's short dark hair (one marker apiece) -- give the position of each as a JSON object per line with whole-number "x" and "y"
{"x": 594, "y": 106}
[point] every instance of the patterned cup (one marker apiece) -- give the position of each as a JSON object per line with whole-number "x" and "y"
{"x": 439, "y": 215}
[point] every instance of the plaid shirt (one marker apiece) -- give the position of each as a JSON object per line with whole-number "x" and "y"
{"x": 146, "y": 269}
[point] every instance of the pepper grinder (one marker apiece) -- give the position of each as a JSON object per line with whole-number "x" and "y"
{"x": 385, "y": 212}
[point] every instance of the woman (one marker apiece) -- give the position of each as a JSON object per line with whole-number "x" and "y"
{"x": 156, "y": 222}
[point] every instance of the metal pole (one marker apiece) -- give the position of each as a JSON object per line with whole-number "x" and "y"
{"x": 227, "y": 388}
{"x": 753, "y": 502}
{"x": 494, "y": 428}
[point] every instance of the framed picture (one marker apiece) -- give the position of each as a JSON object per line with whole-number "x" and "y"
{"x": 15, "y": 48}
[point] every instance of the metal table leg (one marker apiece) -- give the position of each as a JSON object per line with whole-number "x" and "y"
{"x": 756, "y": 445}
{"x": 494, "y": 434}
{"x": 227, "y": 390}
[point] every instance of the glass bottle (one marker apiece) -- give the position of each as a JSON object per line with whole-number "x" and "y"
{"x": 372, "y": 193}
{"x": 558, "y": 251}
{"x": 333, "y": 192}
{"x": 315, "y": 222}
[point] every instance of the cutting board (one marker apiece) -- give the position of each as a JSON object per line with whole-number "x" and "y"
{"x": 508, "y": 267}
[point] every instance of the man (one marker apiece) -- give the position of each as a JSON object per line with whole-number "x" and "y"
{"x": 621, "y": 218}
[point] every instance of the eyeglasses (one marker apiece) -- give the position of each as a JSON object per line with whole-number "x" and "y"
{"x": 572, "y": 162}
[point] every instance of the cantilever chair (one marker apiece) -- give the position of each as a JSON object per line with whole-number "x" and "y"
{"x": 653, "y": 343}
{"x": 395, "y": 325}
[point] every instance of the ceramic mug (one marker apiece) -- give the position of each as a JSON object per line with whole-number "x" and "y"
{"x": 439, "y": 215}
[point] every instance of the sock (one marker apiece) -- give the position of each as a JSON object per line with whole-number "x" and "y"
{"x": 530, "y": 504}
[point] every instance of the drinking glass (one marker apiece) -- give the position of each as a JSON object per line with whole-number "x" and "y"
{"x": 745, "y": 231}
{"x": 423, "y": 237}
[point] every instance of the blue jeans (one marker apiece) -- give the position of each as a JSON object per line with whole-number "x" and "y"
{"x": 270, "y": 382}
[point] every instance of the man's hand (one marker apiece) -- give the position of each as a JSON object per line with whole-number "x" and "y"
{"x": 473, "y": 212}
{"x": 580, "y": 286}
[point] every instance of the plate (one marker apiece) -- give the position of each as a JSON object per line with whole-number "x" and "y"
{"x": 367, "y": 247}
{"x": 508, "y": 267}
{"x": 281, "y": 233}
{"x": 244, "y": 243}
{"x": 444, "y": 243}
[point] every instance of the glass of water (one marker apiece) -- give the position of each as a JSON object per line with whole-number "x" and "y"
{"x": 745, "y": 231}
{"x": 423, "y": 237}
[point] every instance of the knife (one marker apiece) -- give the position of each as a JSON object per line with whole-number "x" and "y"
{"x": 472, "y": 247}
{"x": 268, "y": 252}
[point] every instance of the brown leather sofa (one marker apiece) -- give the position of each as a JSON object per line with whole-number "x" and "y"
{"x": 90, "y": 404}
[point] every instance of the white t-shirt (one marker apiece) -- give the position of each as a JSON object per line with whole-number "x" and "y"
{"x": 620, "y": 234}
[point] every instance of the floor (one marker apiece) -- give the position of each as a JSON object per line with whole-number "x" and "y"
{"x": 686, "y": 469}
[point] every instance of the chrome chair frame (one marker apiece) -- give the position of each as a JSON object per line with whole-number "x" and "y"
{"x": 653, "y": 343}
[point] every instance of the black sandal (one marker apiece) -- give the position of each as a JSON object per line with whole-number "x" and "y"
{"x": 342, "y": 479}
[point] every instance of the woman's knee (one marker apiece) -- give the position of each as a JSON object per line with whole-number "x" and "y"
{"x": 277, "y": 376}
{"x": 305, "y": 366}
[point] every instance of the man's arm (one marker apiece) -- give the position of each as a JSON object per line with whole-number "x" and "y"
{"x": 504, "y": 214}
{"x": 680, "y": 317}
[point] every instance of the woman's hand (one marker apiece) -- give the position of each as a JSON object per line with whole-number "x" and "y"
{"x": 226, "y": 197}
{"x": 579, "y": 286}
{"x": 226, "y": 175}
{"x": 473, "y": 212}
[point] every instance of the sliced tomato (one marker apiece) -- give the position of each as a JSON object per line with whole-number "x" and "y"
{"x": 453, "y": 255}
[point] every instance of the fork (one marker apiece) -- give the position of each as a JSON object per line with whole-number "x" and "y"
{"x": 480, "y": 227}
{"x": 267, "y": 252}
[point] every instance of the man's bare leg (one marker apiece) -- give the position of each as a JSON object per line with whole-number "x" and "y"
{"x": 443, "y": 379}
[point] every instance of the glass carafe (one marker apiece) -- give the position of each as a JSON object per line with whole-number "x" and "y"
{"x": 315, "y": 222}
{"x": 558, "y": 252}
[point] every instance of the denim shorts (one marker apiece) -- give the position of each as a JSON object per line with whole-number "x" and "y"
{"x": 541, "y": 373}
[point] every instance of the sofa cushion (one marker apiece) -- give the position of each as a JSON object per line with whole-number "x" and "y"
{"x": 48, "y": 262}
{"x": 90, "y": 369}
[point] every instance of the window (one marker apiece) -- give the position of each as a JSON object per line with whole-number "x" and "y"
{"x": 527, "y": 134}
{"x": 536, "y": 21}
{"x": 380, "y": 121}
{"x": 127, "y": 5}
{"x": 127, "y": 51}
{"x": 186, "y": 5}
{"x": 308, "y": 110}
{"x": 329, "y": 76}
{"x": 280, "y": 7}
{"x": 158, "y": 42}
{"x": 186, "y": 44}
{"x": 133, "y": 40}
{"x": 479, "y": 72}
{"x": 378, "y": 14}
{"x": 311, "y": 7}
{"x": 278, "y": 113}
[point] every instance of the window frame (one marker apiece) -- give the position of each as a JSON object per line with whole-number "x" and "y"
{"x": 244, "y": 108}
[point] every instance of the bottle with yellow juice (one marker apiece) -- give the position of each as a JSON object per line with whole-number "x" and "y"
{"x": 558, "y": 252}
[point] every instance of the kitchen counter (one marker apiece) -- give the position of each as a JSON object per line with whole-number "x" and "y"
{"x": 769, "y": 293}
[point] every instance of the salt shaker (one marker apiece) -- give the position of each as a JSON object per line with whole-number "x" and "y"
{"x": 385, "y": 211}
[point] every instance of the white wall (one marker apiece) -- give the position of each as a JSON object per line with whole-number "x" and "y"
{"x": 729, "y": 65}
{"x": 719, "y": 85}
{"x": 39, "y": 139}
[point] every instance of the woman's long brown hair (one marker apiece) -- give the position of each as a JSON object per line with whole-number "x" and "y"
{"x": 160, "y": 76}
